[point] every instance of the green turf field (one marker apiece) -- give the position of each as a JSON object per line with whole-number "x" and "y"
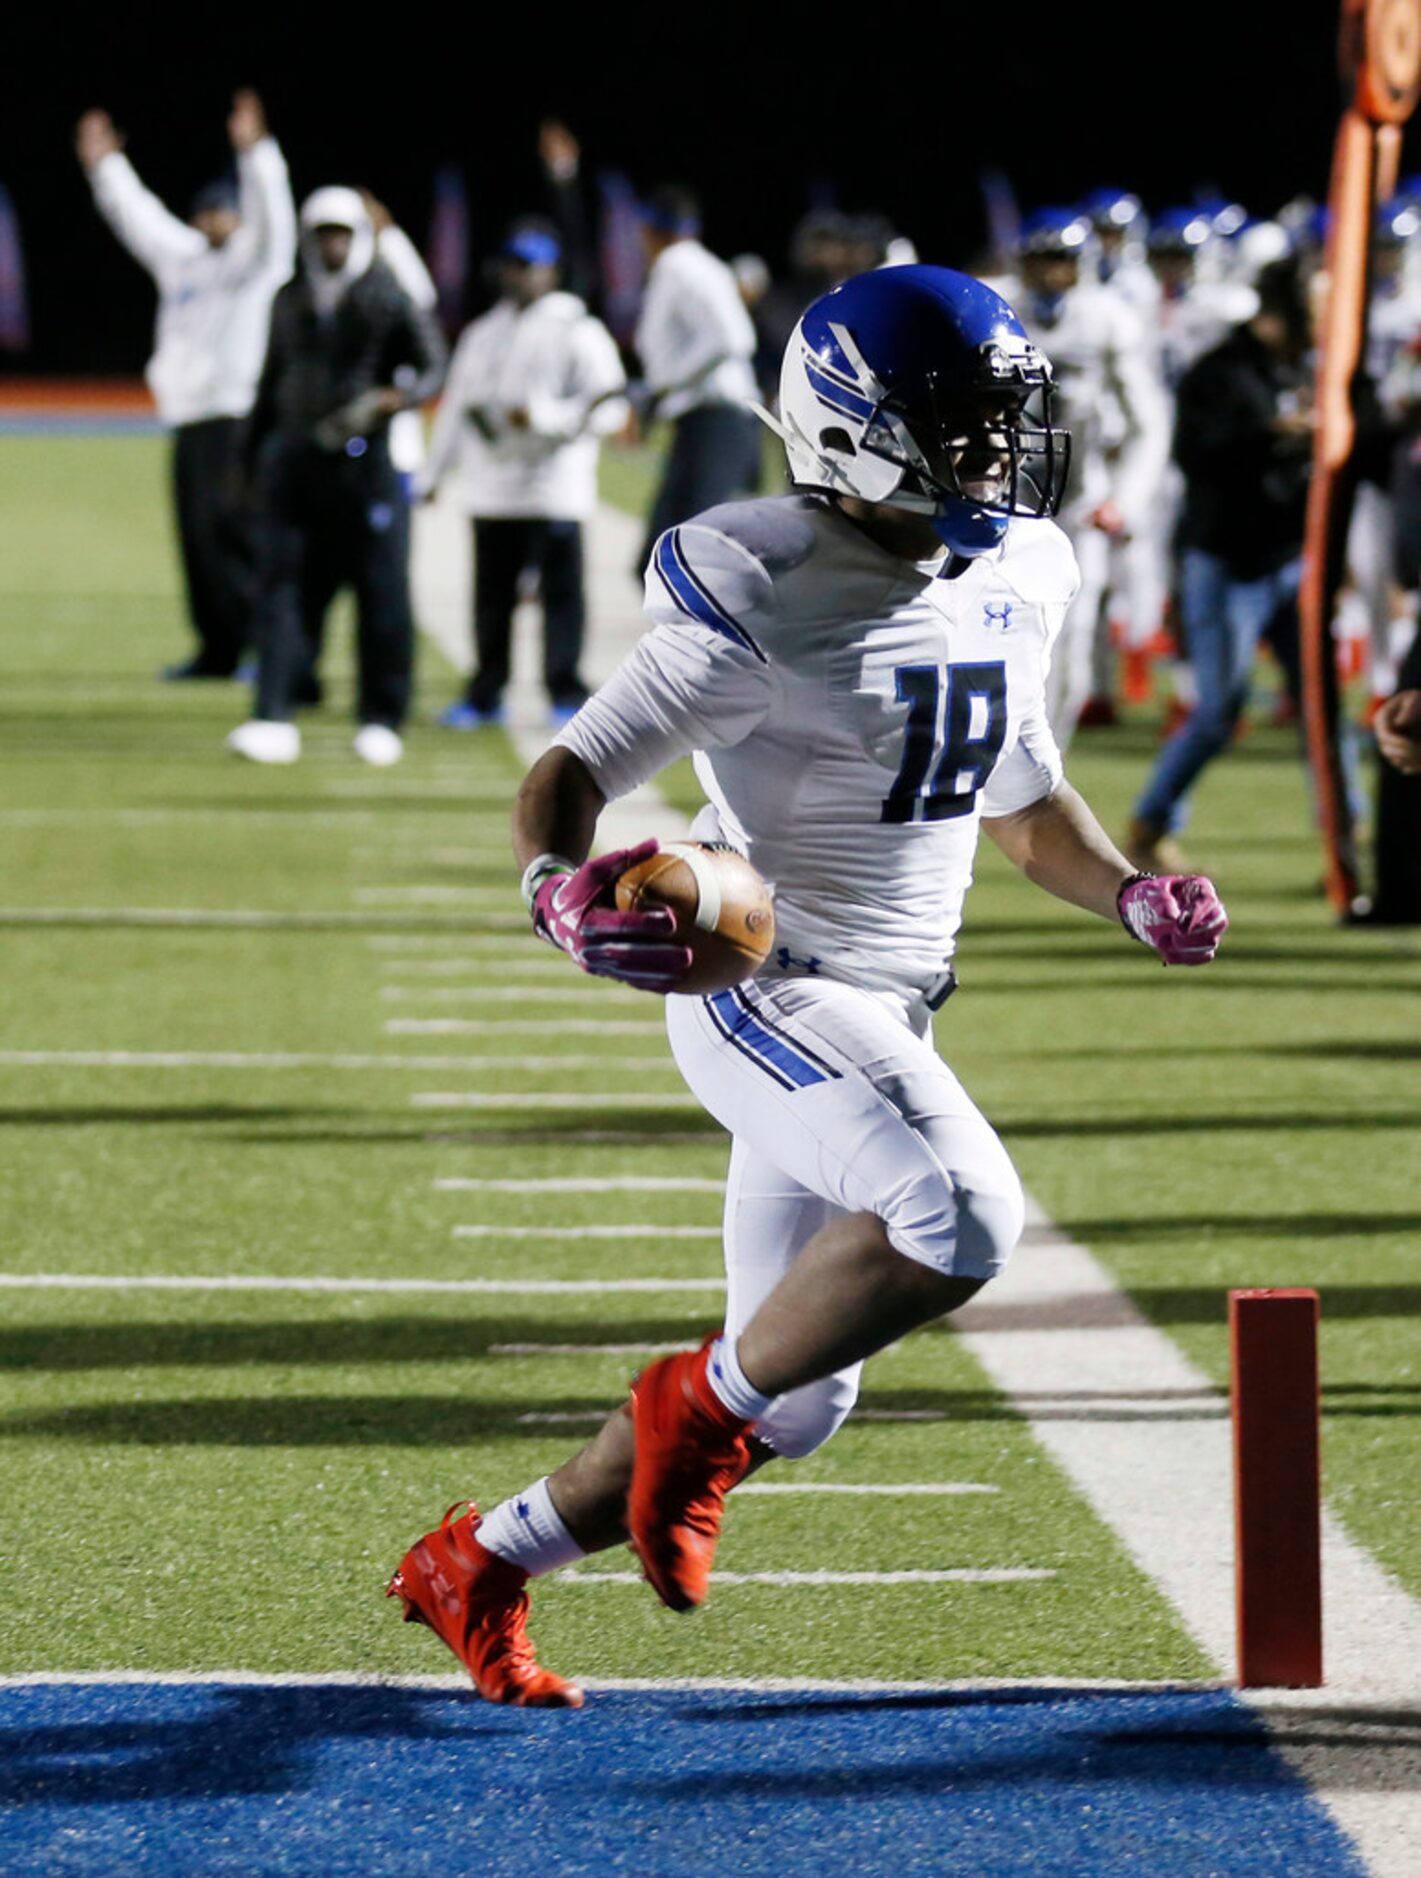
{"x": 200, "y": 1479}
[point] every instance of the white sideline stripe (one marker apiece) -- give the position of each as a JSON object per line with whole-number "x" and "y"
{"x": 637, "y": 1231}
{"x": 90, "y": 1281}
{"x": 777, "y": 1685}
{"x": 634, "y": 1098}
{"x": 629, "y": 1183}
{"x": 1054, "y": 1324}
{"x": 966, "y": 1575}
{"x": 923, "y": 1488}
{"x": 236, "y": 1059}
{"x": 588, "y": 1349}
{"x": 533, "y": 1027}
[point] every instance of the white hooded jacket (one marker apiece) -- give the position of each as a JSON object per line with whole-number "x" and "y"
{"x": 554, "y": 361}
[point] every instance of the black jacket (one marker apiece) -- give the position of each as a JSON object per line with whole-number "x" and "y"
{"x": 1245, "y": 486}
{"x": 318, "y": 367}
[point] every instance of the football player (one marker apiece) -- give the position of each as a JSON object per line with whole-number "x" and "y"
{"x": 860, "y": 668}
{"x": 1113, "y": 405}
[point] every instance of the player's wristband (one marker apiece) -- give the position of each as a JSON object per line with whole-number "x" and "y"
{"x": 1120, "y": 893}
{"x": 537, "y": 871}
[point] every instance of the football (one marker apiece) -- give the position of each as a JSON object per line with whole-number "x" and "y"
{"x": 723, "y": 909}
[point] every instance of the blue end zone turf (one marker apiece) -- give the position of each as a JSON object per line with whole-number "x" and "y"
{"x": 365, "y": 1780}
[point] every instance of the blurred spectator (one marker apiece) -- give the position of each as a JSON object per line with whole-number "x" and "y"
{"x": 1243, "y": 441}
{"x": 752, "y": 277}
{"x": 348, "y": 349}
{"x": 533, "y": 386}
{"x": 216, "y": 275}
{"x": 394, "y": 247}
{"x": 696, "y": 343}
{"x": 561, "y": 157}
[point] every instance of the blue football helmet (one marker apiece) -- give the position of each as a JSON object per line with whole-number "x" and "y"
{"x": 917, "y": 387}
{"x": 1180, "y": 231}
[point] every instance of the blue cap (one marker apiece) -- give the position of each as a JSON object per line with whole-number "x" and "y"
{"x": 535, "y": 247}
{"x": 222, "y": 194}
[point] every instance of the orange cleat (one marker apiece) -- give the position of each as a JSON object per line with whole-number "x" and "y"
{"x": 690, "y": 1451}
{"x": 476, "y": 1602}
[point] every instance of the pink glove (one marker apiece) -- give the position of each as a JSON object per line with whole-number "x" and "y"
{"x": 1178, "y": 915}
{"x": 576, "y": 912}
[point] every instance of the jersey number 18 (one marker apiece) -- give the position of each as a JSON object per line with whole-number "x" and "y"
{"x": 942, "y": 770}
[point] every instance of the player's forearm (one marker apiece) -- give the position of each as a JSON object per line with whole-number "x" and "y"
{"x": 557, "y": 808}
{"x": 1059, "y": 845}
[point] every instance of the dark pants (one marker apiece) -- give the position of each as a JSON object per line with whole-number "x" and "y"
{"x": 504, "y": 548}
{"x": 714, "y": 458}
{"x": 215, "y": 538}
{"x": 330, "y": 521}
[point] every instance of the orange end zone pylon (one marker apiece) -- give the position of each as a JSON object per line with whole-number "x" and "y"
{"x": 1380, "y": 49}
{"x": 1277, "y": 1488}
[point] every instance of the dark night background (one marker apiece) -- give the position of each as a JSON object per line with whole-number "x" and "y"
{"x": 755, "y": 106}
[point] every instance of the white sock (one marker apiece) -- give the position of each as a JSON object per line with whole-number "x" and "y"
{"x": 727, "y": 1380}
{"x": 528, "y": 1531}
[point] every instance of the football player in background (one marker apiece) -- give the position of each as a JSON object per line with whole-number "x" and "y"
{"x": 216, "y": 276}
{"x": 860, "y": 668}
{"x": 1112, "y": 404}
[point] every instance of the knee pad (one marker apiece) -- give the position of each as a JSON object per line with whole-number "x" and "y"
{"x": 804, "y": 1420}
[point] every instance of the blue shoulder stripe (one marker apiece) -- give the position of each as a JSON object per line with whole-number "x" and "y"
{"x": 692, "y": 596}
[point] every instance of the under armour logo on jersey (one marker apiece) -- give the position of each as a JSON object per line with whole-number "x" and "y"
{"x": 997, "y": 613}
{"x": 791, "y": 962}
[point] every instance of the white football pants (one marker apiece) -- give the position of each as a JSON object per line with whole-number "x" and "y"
{"x": 838, "y": 1104}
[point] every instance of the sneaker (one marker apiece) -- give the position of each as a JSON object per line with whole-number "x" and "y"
{"x": 1098, "y": 713}
{"x": 477, "y": 1603}
{"x": 377, "y": 744}
{"x": 187, "y": 670}
{"x": 690, "y": 1451}
{"x": 560, "y": 714}
{"x": 464, "y": 716}
{"x": 261, "y": 740}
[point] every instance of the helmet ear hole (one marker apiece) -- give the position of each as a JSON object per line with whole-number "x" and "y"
{"x": 839, "y": 441}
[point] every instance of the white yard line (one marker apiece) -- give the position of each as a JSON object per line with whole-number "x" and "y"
{"x": 638, "y": 1231}
{"x": 240, "y": 917}
{"x": 467, "y": 967}
{"x": 536, "y": 1027}
{"x": 278, "y": 1060}
{"x": 602, "y": 989}
{"x": 633, "y": 1099}
{"x": 627, "y": 1183}
{"x": 590, "y": 990}
{"x": 966, "y": 1575}
{"x": 512, "y": 1287}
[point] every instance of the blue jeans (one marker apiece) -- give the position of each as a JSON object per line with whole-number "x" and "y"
{"x": 1223, "y": 621}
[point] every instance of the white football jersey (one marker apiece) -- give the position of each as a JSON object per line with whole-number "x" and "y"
{"x": 853, "y": 717}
